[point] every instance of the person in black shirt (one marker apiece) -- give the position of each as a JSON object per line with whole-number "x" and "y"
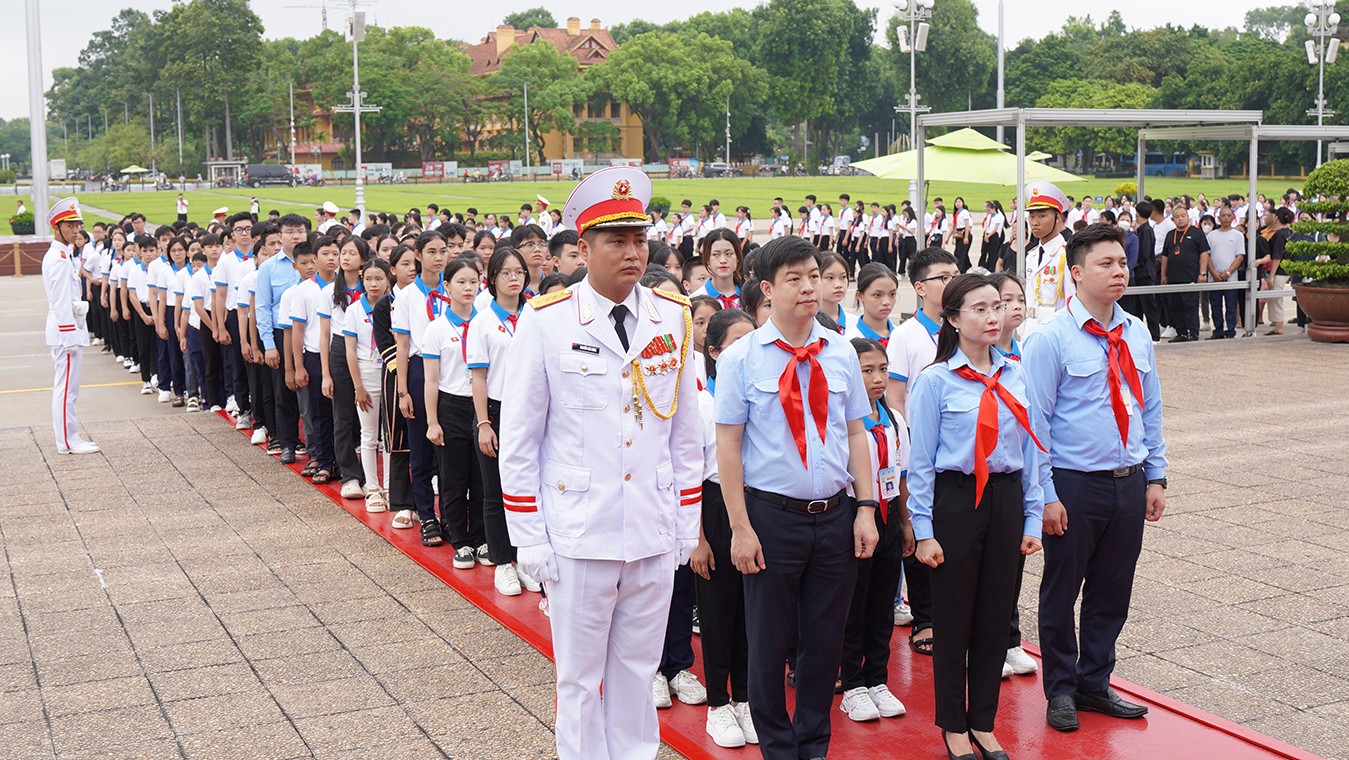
{"x": 1184, "y": 261}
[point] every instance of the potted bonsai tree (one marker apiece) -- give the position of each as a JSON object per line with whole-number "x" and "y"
{"x": 1323, "y": 266}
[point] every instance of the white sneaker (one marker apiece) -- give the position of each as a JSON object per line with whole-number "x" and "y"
{"x": 858, "y": 706}
{"x": 146, "y": 389}
{"x": 259, "y": 436}
{"x": 1207, "y": 325}
{"x": 352, "y": 490}
{"x": 122, "y": 360}
{"x": 527, "y": 581}
{"x": 83, "y": 447}
{"x": 244, "y": 422}
{"x": 506, "y": 581}
{"x": 723, "y": 727}
{"x": 903, "y": 614}
{"x": 887, "y": 704}
{"x": 484, "y": 556}
{"x": 742, "y": 717}
{"x": 230, "y": 405}
{"x": 134, "y": 369}
{"x": 1022, "y": 664}
{"x": 154, "y": 380}
{"x": 165, "y": 397}
{"x": 660, "y": 691}
{"x": 1006, "y": 670}
{"x": 1169, "y": 332}
{"x": 685, "y": 686}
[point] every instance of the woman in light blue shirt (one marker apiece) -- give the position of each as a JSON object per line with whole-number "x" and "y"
{"x": 974, "y": 514}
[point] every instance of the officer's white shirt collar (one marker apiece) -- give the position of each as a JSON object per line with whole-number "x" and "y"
{"x": 603, "y": 306}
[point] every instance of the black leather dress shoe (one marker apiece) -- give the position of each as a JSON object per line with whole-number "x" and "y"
{"x": 1108, "y": 703}
{"x": 1061, "y": 714}
{"x": 287, "y": 456}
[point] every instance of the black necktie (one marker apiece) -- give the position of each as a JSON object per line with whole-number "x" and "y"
{"x": 619, "y": 314}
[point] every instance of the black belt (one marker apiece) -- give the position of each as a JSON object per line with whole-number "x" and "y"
{"x": 1118, "y": 472}
{"x": 810, "y": 507}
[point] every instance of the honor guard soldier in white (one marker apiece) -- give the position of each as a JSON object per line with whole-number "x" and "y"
{"x": 67, "y": 332}
{"x": 1048, "y": 282}
{"x": 601, "y": 468}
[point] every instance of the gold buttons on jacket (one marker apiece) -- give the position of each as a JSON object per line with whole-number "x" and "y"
{"x": 561, "y": 487}
{"x": 628, "y": 476}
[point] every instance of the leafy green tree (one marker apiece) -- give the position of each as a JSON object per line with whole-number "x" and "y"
{"x": 555, "y": 87}
{"x": 960, "y": 65}
{"x": 797, "y": 44}
{"x": 1090, "y": 93}
{"x": 528, "y": 19}
{"x": 1274, "y": 23}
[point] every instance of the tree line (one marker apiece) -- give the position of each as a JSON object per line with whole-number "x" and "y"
{"x": 801, "y": 78}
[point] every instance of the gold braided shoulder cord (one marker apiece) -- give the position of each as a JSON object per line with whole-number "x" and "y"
{"x": 640, "y": 380}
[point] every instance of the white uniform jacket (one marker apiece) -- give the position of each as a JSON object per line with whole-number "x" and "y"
{"x": 579, "y": 468}
{"x": 66, "y": 310}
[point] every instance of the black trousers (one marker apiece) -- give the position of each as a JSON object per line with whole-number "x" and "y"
{"x": 918, "y": 583}
{"x": 319, "y": 441}
{"x": 398, "y": 478}
{"x": 807, "y": 585}
{"x": 212, "y": 390}
{"x": 907, "y": 248}
{"x": 1185, "y": 313}
{"x": 499, "y": 547}
{"x": 721, "y": 609}
{"x": 346, "y": 426}
{"x": 1145, "y": 307}
{"x": 172, "y": 369}
{"x": 677, "y": 653}
{"x": 989, "y": 250}
{"x": 262, "y": 394}
{"x": 146, "y": 341}
{"x": 871, "y": 616}
{"x": 972, "y": 593}
{"x": 963, "y": 253}
{"x": 460, "y": 475}
{"x": 287, "y": 431}
{"x": 237, "y": 377}
{"x": 1096, "y": 557}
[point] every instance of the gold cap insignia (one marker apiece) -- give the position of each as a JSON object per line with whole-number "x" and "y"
{"x": 622, "y": 190}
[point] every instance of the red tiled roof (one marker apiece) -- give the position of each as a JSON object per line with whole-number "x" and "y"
{"x": 588, "y": 47}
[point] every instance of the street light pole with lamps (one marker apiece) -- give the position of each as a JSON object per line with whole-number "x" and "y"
{"x": 356, "y": 31}
{"x": 913, "y": 40}
{"x": 1322, "y": 23}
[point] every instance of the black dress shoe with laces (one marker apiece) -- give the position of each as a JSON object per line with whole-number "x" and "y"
{"x": 1108, "y": 703}
{"x": 1061, "y": 714}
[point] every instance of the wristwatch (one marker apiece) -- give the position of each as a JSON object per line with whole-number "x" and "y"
{"x": 868, "y": 503}
{"x": 1158, "y": 482}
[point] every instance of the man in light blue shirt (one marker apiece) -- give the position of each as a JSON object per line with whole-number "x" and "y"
{"x": 1097, "y": 407}
{"x": 790, "y": 437}
{"x": 275, "y": 276}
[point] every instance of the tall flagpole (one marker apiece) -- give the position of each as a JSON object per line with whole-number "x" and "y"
{"x": 37, "y": 117}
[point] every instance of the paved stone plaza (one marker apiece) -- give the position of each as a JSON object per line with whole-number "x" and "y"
{"x": 183, "y": 595}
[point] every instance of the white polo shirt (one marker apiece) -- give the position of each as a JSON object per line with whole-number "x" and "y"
{"x": 417, "y": 305}
{"x": 489, "y": 336}
{"x": 447, "y": 340}
{"x": 304, "y": 309}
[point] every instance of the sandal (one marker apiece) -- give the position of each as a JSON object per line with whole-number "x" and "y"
{"x": 309, "y": 469}
{"x": 431, "y": 535}
{"x": 402, "y": 520}
{"x": 321, "y": 476}
{"x": 922, "y": 646}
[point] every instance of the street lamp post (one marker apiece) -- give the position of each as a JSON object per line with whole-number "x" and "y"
{"x": 356, "y": 107}
{"x": 1322, "y": 23}
{"x": 913, "y": 40}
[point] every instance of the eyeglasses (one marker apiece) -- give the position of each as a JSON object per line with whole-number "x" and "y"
{"x": 533, "y": 245}
{"x": 945, "y": 278}
{"x": 983, "y": 311}
{"x": 511, "y": 274}
{"x": 243, "y": 230}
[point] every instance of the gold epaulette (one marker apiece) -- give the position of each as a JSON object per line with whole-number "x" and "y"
{"x": 669, "y": 295}
{"x": 539, "y": 302}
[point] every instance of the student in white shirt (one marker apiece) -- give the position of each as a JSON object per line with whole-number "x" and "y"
{"x": 780, "y": 225}
{"x": 365, "y": 366}
{"x": 168, "y": 290}
{"x": 306, "y": 337}
{"x": 908, "y": 239}
{"x": 658, "y": 230}
{"x": 992, "y": 238}
{"x": 828, "y": 228}
{"x": 744, "y": 225}
{"x": 449, "y": 415}
{"x": 489, "y": 338}
{"x": 962, "y": 233}
{"x": 338, "y": 382}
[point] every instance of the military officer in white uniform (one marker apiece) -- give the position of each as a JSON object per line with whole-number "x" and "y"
{"x": 67, "y": 330}
{"x": 601, "y": 452}
{"x": 1048, "y": 282}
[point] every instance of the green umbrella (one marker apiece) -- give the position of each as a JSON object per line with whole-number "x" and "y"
{"x": 978, "y": 167}
{"x": 134, "y": 169}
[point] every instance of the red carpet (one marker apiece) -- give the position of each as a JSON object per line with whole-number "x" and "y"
{"x": 1171, "y": 730}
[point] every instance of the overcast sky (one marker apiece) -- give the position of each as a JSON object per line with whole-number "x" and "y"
{"x": 68, "y": 24}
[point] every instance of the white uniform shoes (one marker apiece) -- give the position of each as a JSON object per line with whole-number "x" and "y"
{"x": 506, "y": 580}
{"x": 857, "y": 705}
{"x": 1021, "y": 663}
{"x": 741, "y": 710}
{"x": 352, "y": 489}
{"x": 903, "y": 614}
{"x": 259, "y": 435}
{"x": 887, "y": 704}
{"x": 1006, "y": 669}
{"x": 527, "y": 581}
{"x": 660, "y": 691}
{"x": 83, "y": 447}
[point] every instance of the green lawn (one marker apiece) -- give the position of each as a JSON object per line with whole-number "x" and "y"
{"x": 506, "y": 197}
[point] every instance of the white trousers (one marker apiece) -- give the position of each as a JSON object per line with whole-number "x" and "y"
{"x": 371, "y": 378}
{"x": 65, "y": 389}
{"x": 608, "y": 620}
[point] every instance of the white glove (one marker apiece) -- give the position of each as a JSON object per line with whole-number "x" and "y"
{"x": 80, "y": 309}
{"x": 538, "y": 562}
{"x": 685, "y": 549}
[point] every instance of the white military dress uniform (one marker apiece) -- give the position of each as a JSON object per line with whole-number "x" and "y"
{"x": 67, "y": 331}
{"x": 1049, "y": 284}
{"x": 601, "y": 459}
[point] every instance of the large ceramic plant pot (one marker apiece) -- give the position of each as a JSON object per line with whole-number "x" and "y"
{"x": 1329, "y": 312}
